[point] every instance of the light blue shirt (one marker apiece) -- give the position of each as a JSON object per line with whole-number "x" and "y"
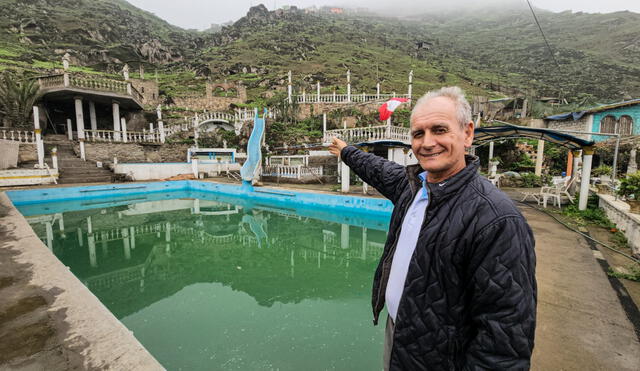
{"x": 405, "y": 247}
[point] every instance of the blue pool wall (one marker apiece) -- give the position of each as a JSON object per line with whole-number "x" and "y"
{"x": 339, "y": 208}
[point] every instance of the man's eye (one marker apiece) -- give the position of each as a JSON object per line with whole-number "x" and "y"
{"x": 440, "y": 130}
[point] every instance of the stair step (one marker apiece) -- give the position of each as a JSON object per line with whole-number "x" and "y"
{"x": 88, "y": 172}
{"x": 85, "y": 179}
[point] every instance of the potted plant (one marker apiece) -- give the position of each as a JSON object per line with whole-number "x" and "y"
{"x": 630, "y": 190}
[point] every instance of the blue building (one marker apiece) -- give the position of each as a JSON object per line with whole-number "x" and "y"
{"x": 617, "y": 118}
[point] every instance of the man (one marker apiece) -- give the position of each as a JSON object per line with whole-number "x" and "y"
{"x": 458, "y": 268}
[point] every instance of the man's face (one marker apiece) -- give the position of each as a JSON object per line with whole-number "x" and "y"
{"x": 437, "y": 140}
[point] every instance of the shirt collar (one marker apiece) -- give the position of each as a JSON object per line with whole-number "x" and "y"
{"x": 423, "y": 177}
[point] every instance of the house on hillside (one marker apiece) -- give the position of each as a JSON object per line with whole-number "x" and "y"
{"x": 617, "y": 118}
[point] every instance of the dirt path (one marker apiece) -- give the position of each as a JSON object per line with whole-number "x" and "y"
{"x": 581, "y": 322}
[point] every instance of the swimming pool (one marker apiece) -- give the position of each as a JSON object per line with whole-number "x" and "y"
{"x": 209, "y": 277}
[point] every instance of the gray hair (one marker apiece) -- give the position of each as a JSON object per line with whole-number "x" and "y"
{"x": 455, "y": 94}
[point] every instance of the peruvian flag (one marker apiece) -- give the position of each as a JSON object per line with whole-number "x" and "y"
{"x": 389, "y": 106}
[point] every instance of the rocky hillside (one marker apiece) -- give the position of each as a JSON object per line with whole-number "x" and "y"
{"x": 485, "y": 50}
{"x": 97, "y": 33}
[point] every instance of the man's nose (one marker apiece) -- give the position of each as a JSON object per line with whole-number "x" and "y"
{"x": 427, "y": 141}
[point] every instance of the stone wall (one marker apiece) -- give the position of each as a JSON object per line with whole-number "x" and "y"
{"x": 27, "y": 153}
{"x": 579, "y": 125}
{"x": 618, "y": 212}
{"x": 148, "y": 89}
{"x": 134, "y": 152}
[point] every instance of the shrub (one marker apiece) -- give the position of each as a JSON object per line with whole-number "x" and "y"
{"x": 630, "y": 187}
{"x": 530, "y": 180}
{"x": 602, "y": 170}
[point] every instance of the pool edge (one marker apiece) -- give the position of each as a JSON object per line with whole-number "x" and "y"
{"x": 83, "y": 326}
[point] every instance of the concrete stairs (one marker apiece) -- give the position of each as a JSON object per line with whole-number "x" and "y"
{"x": 72, "y": 169}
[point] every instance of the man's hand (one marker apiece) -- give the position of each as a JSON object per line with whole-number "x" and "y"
{"x": 336, "y": 146}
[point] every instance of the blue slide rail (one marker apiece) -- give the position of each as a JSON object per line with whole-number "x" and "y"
{"x": 254, "y": 150}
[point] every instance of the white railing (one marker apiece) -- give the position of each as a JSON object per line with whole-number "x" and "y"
{"x": 369, "y": 134}
{"x": 295, "y": 172}
{"x": 121, "y": 136}
{"x": 67, "y": 80}
{"x": 345, "y": 98}
{"x": 22, "y": 136}
{"x": 236, "y": 118}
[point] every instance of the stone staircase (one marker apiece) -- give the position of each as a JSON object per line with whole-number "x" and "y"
{"x": 72, "y": 169}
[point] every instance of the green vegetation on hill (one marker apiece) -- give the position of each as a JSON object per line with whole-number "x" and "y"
{"x": 486, "y": 50}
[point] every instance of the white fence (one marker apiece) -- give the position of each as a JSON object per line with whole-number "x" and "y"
{"x": 368, "y": 134}
{"x": 294, "y": 172}
{"x": 122, "y": 136}
{"x": 346, "y": 98}
{"x": 22, "y": 136}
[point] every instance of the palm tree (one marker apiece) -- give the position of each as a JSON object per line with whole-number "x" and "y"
{"x": 17, "y": 97}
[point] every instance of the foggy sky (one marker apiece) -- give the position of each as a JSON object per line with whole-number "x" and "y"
{"x": 200, "y": 14}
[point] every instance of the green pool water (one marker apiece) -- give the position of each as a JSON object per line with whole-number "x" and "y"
{"x": 209, "y": 285}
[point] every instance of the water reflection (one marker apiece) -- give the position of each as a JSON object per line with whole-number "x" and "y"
{"x": 138, "y": 257}
{"x": 164, "y": 245}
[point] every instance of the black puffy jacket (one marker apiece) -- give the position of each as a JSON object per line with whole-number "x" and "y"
{"x": 469, "y": 300}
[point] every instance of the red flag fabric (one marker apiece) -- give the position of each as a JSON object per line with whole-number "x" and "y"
{"x": 387, "y": 108}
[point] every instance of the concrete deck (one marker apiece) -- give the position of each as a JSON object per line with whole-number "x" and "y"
{"x": 48, "y": 319}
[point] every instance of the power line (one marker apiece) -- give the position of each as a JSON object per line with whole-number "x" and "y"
{"x": 543, "y": 35}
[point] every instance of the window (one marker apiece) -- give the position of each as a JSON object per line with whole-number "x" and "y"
{"x": 608, "y": 125}
{"x": 625, "y": 125}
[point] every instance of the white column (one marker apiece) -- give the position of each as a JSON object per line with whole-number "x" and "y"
{"x": 39, "y": 143}
{"x": 390, "y": 154}
{"x": 126, "y": 243}
{"x": 80, "y": 239}
{"x": 161, "y": 130}
{"x": 348, "y": 85}
{"x": 194, "y": 167}
{"x": 61, "y": 223}
{"x": 89, "y": 225}
{"x": 344, "y": 236}
{"x": 196, "y": 206}
{"x": 49, "y": 229}
{"x": 345, "y": 173}
{"x": 574, "y": 170}
{"x": 289, "y": 89}
{"x": 587, "y": 157}
{"x": 167, "y": 235}
{"x": 116, "y": 121}
{"x": 632, "y": 167}
{"x": 318, "y": 91}
{"x": 364, "y": 243}
{"x": 92, "y": 115}
{"x": 539, "y": 157}
{"x": 123, "y": 127}
{"x": 82, "y": 152}
{"x": 54, "y": 157}
{"x": 93, "y": 259}
{"x": 378, "y": 91}
{"x": 69, "y": 129}
{"x": 490, "y": 150}
{"x": 324, "y": 128}
{"x": 159, "y": 112}
{"x": 79, "y": 117}
{"x": 132, "y": 237}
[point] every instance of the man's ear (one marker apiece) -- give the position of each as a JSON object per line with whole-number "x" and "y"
{"x": 468, "y": 134}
